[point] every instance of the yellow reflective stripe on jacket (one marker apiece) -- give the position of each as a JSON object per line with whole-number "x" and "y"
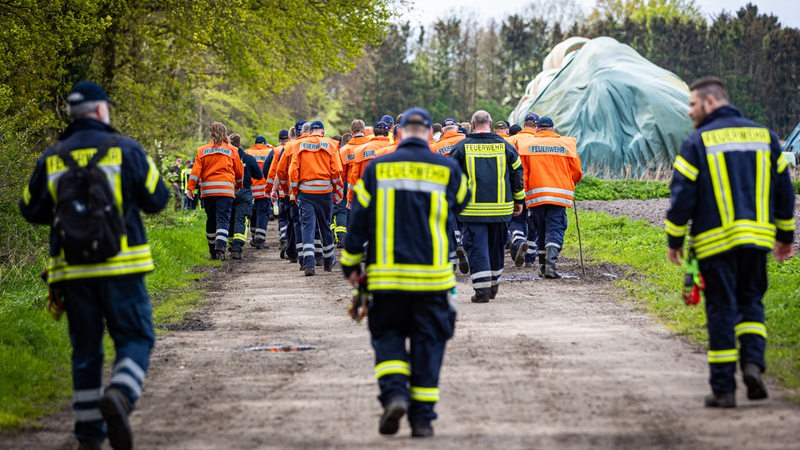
{"x": 723, "y": 356}
{"x": 735, "y": 139}
{"x": 688, "y": 170}
{"x": 751, "y": 328}
{"x": 722, "y": 187}
{"x": 488, "y": 209}
{"x": 350, "y": 259}
{"x": 783, "y": 163}
{"x": 437, "y": 221}
{"x": 392, "y": 366}
{"x": 130, "y": 260}
{"x": 462, "y": 189}
{"x": 425, "y": 394}
{"x": 410, "y": 277}
{"x": 26, "y": 195}
{"x": 763, "y": 180}
{"x": 361, "y": 194}
{"x": 740, "y": 232}
{"x": 152, "y": 176}
{"x": 384, "y": 227}
{"x": 675, "y": 230}
{"x": 785, "y": 224}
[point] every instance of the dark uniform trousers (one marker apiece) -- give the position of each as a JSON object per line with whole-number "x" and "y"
{"x": 124, "y": 305}
{"x": 315, "y": 218}
{"x": 289, "y": 214}
{"x": 260, "y": 219}
{"x": 520, "y": 230}
{"x": 218, "y": 220}
{"x": 340, "y": 213}
{"x": 427, "y": 321}
{"x": 242, "y": 209}
{"x": 550, "y": 222}
{"x": 735, "y": 286}
{"x": 485, "y": 245}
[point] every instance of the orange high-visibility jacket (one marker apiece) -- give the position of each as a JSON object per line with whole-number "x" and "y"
{"x": 347, "y": 156}
{"x": 316, "y": 168}
{"x": 218, "y": 170}
{"x": 282, "y": 174}
{"x": 271, "y": 177}
{"x": 386, "y": 150}
{"x": 552, "y": 167}
{"x": 260, "y": 152}
{"x": 364, "y": 154}
{"x": 445, "y": 144}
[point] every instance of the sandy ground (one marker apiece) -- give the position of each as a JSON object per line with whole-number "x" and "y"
{"x": 549, "y": 364}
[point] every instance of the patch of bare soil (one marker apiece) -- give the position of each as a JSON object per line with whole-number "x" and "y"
{"x": 549, "y": 364}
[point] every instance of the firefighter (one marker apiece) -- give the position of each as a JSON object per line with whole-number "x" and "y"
{"x": 552, "y": 169}
{"x": 316, "y": 174}
{"x": 219, "y": 172}
{"x": 275, "y": 197}
{"x": 501, "y": 128}
{"x": 293, "y": 243}
{"x": 522, "y": 228}
{"x": 495, "y": 179}
{"x": 340, "y": 210}
{"x": 111, "y": 292}
{"x": 409, "y": 283}
{"x": 444, "y": 146}
{"x": 243, "y": 201}
{"x": 732, "y": 182}
{"x": 264, "y": 154}
{"x": 366, "y": 152}
{"x": 186, "y": 172}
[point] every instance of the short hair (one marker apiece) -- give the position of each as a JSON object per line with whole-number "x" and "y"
{"x": 710, "y": 86}
{"x": 218, "y": 132}
{"x": 357, "y": 125}
{"x": 467, "y": 126}
{"x": 337, "y": 137}
{"x": 437, "y": 127}
{"x": 82, "y": 109}
{"x": 346, "y": 138}
{"x": 481, "y": 117}
{"x": 292, "y": 133}
{"x": 235, "y": 139}
{"x": 306, "y": 128}
{"x": 380, "y": 131}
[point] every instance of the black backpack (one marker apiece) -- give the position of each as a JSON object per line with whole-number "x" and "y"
{"x": 86, "y": 219}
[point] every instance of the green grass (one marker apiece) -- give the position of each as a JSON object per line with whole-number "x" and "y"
{"x": 35, "y": 375}
{"x": 656, "y": 285}
{"x": 591, "y": 188}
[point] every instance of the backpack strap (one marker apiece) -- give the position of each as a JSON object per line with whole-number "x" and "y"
{"x": 102, "y": 150}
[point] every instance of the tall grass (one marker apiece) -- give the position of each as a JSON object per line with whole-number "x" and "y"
{"x": 657, "y": 283}
{"x": 35, "y": 375}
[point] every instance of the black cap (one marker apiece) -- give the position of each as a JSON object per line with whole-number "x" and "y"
{"x": 283, "y": 134}
{"x": 87, "y": 91}
{"x": 416, "y": 116}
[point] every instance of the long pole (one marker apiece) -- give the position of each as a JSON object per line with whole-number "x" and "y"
{"x": 580, "y": 243}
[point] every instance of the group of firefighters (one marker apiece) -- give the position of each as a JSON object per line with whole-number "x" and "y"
{"x": 306, "y": 182}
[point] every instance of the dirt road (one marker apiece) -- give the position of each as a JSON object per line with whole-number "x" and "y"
{"x": 549, "y": 364}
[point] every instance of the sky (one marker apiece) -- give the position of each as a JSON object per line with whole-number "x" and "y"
{"x": 427, "y": 11}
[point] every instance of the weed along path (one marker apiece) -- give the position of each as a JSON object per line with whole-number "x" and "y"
{"x": 549, "y": 364}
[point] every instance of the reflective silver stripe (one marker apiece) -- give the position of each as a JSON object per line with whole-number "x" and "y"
{"x": 550, "y": 190}
{"x": 127, "y": 380}
{"x": 218, "y": 191}
{"x": 484, "y": 274}
{"x": 130, "y": 365}
{"x": 116, "y": 268}
{"x": 482, "y": 284}
{"x": 551, "y": 244}
{"x": 194, "y": 177}
{"x": 315, "y": 188}
{"x": 87, "y": 415}
{"x": 222, "y": 231}
{"x": 87, "y": 395}
{"x": 559, "y": 200}
{"x": 411, "y": 185}
{"x": 216, "y": 183}
{"x": 497, "y": 273}
{"x": 737, "y": 147}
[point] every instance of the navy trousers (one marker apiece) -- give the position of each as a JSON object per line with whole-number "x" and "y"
{"x": 735, "y": 286}
{"x": 315, "y": 219}
{"x": 242, "y": 210}
{"x": 124, "y": 305}
{"x": 261, "y": 212}
{"x": 340, "y": 213}
{"x": 426, "y": 321}
{"x": 485, "y": 244}
{"x": 218, "y": 220}
{"x": 550, "y": 222}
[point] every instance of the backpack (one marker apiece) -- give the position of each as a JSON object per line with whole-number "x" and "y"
{"x": 86, "y": 219}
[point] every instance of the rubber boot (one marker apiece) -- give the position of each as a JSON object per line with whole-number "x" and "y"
{"x": 542, "y": 261}
{"x": 551, "y": 257}
{"x": 493, "y": 291}
{"x": 482, "y": 295}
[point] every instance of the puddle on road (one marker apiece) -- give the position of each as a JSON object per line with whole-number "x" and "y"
{"x": 279, "y": 348}
{"x": 531, "y": 277}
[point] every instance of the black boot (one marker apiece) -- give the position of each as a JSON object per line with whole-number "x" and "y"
{"x": 115, "y": 409}
{"x": 542, "y": 261}
{"x": 482, "y": 295}
{"x": 721, "y": 400}
{"x": 756, "y": 389}
{"x": 493, "y": 291}
{"x": 551, "y": 257}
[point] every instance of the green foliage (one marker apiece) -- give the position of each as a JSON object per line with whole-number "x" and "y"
{"x": 35, "y": 351}
{"x": 796, "y": 184}
{"x": 656, "y": 285}
{"x": 591, "y": 188}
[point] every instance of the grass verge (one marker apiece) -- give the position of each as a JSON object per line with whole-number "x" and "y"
{"x": 641, "y": 248}
{"x": 35, "y": 375}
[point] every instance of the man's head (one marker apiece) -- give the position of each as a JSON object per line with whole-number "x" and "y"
{"x": 708, "y": 94}
{"x": 449, "y": 125}
{"x": 235, "y": 140}
{"x": 531, "y": 121}
{"x": 416, "y": 123}
{"x": 501, "y": 127}
{"x": 261, "y": 140}
{"x": 298, "y": 127}
{"x": 178, "y": 160}
{"x": 467, "y": 127}
{"x": 88, "y": 99}
{"x": 218, "y": 132}
{"x": 305, "y": 128}
{"x": 389, "y": 120}
{"x": 346, "y": 138}
{"x": 481, "y": 122}
{"x": 358, "y": 127}
{"x": 514, "y": 129}
{"x": 316, "y": 128}
{"x": 382, "y": 128}
{"x": 546, "y": 123}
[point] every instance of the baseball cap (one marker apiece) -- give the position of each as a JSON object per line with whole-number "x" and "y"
{"x": 416, "y": 116}
{"x": 532, "y": 118}
{"x": 449, "y": 122}
{"x": 501, "y": 124}
{"x": 546, "y": 122}
{"x": 462, "y": 130}
{"x": 298, "y": 126}
{"x": 317, "y": 125}
{"x": 388, "y": 119}
{"x": 261, "y": 140}
{"x": 283, "y": 134}
{"x": 383, "y": 124}
{"x": 86, "y": 91}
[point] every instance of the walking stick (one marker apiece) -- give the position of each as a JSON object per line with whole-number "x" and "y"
{"x": 578, "y": 227}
